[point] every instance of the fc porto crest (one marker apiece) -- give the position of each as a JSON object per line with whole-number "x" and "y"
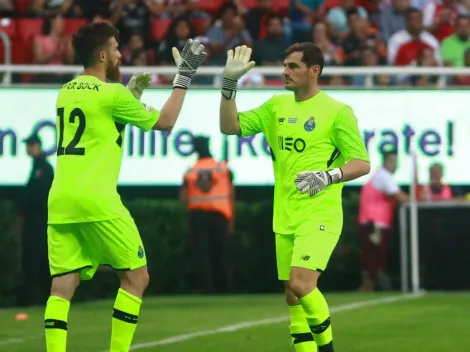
{"x": 309, "y": 125}
{"x": 140, "y": 252}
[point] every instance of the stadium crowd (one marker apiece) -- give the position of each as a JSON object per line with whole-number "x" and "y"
{"x": 350, "y": 32}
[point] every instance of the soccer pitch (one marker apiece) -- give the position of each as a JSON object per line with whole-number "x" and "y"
{"x": 258, "y": 323}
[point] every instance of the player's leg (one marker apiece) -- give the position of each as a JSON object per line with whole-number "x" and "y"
{"x": 67, "y": 260}
{"x": 302, "y": 338}
{"x": 122, "y": 248}
{"x": 310, "y": 258}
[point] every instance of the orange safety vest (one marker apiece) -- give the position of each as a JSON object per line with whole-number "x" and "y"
{"x": 209, "y": 186}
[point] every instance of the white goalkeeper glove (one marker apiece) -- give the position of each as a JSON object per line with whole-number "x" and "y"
{"x": 238, "y": 64}
{"x": 314, "y": 181}
{"x": 138, "y": 83}
{"x": 188, "y": 61}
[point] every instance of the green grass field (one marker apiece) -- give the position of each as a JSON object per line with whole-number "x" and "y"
{"x": 361, "y": 323}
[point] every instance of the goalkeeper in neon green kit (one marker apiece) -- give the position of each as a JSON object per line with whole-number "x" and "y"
{"x": 88, "y": 225}
{"x": 316, "y": 146}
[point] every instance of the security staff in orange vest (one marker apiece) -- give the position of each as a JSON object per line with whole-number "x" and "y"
{"x": 209, "y": 195}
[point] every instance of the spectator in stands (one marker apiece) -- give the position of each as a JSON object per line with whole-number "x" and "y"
{"x": 439, "y": 17}
{"x": 437, "y": 190}
{"x": 46, "y": 8}
{"x": 53, "y": 47}
{"x": 6, "y": 8}
{"x": 135, "y": 43}
{"x": 270, "y": 51}
{"x": 179, "y": 31}
{"x": 453, "y": 48}
{"x": 392, "y": 18}
{"x": 175, "y": 8}
{"x": 425, "y": 59}
{"x": 130, "y": 16}
{"x": 303, "y": 14}
{"x": 405, "y": 45}
{"x": 227, "y": 32}
{"x": 360, "y": 35}
{"x": 377, "y": 202}
{"x": 463, "y": 80}
{"x": 369, "y": 56}
{"x": 257, "y": 16}
{"x": 330, "y": 50}
{"x": 337, "y": 17}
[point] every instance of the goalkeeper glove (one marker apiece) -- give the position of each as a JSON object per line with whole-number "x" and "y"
{"x": 188, "y": 61}
{"x": 138, "y": 83}
{"x": 238, "y": 64}
{"x": 314, "y": 181}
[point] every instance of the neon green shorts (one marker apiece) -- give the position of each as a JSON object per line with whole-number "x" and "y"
{"x": 83, "y": 247}
{"x": 312, "y": 251}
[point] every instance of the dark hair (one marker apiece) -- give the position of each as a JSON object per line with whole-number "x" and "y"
{"x": 411, "y": 11}
{"x": 90, "y": 39}
{"x": 274, "y": 16}
{"x": 352, "y": 11}
{"x": 312, "y": 54}
{"x": 462, "y": 17}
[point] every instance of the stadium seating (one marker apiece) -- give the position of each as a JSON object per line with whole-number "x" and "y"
{"x": 159, "y": 28}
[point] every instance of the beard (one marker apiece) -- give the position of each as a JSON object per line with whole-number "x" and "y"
{"x": 113, "y": 72}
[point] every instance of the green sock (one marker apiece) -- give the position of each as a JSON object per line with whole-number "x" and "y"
{"x": 125, "y": 316}
{"x": 302, "y": 338}
{"x": 55, "y": 324}
{"x": 318, "y": 318}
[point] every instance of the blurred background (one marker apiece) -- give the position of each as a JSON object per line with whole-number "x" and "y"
{"x": 401, "y": 64}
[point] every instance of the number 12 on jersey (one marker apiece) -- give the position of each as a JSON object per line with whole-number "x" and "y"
{"x": 71, "y": 148}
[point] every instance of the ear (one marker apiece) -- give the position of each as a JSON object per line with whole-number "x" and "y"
{"x": 102, "y": 56}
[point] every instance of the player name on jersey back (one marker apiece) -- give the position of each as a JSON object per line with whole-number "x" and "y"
{"x": 82, "y": 85}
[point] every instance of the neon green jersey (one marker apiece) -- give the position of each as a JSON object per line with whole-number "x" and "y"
{"x": 320, "y": 133}
{"x": 91, "y": 117}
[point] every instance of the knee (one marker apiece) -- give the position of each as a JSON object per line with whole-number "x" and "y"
{"x": 135, "y": 281}
{"x": 65, "y": 286}
{"x": 301, "y": 287}
{"x": 291, "y": 298}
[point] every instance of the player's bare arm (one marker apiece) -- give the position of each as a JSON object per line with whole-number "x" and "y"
{"x": 238, "y": 64}
{"x": 354, "y": 169}
{"x": 170, "y": 111}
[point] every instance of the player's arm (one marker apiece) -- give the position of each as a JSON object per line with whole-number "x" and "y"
{"x": 238, "y": 64}
{"x": 348, "y": 139}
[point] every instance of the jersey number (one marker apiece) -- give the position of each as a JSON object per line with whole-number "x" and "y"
{"x": 71, "y": 148}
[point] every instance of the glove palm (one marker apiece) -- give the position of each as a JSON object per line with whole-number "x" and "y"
{"x": 138, "y": 83}
{"x": 238, "y": 64}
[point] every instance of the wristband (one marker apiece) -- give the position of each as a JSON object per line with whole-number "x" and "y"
{"x": 229, "y": 88}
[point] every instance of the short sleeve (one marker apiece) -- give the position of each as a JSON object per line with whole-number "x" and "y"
{"x": 347, "y": 137}
{"x": 383, "y": 181}
{"x": 256, "y": 120}
{"x": 127, "y": 109}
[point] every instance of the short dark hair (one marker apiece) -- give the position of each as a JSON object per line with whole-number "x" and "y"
{"x": 311, "y": 54}
{"x": 411, "y": 11}
{"x": 274, "y": 16}
{"x": 91, "y": 38}
{"x": 387, "y": 154}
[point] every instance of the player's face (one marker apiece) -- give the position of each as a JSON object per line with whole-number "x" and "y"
{"x": 296, "y": 73}
{"x": 33, "y": 149}
{"x": 113, "y": 62}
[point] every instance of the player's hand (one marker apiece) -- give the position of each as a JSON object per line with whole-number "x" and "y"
{"x": 238, "y": 64}
{"x": 138, "y": 83}
{"x": 312, "y": 182}
{"x": 188, "y": 61}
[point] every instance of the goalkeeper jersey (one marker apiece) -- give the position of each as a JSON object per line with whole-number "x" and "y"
{"x": 320, "y": 133}
{"x": 91, "y": 118}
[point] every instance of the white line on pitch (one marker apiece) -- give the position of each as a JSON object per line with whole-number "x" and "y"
{"x": 248, "y": 324}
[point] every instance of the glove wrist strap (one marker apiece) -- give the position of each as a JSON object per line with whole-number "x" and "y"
{"x": 181, "y": 81}
{"x": 336, "y": 175}
{"x": 229, "y": 88}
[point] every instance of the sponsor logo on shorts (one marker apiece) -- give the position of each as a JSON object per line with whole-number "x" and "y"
{"x": 306, "y": 257}
{"x": 140, "y": 252}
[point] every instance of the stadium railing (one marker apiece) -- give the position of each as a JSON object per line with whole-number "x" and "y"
{"x": 434, "y": 241}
